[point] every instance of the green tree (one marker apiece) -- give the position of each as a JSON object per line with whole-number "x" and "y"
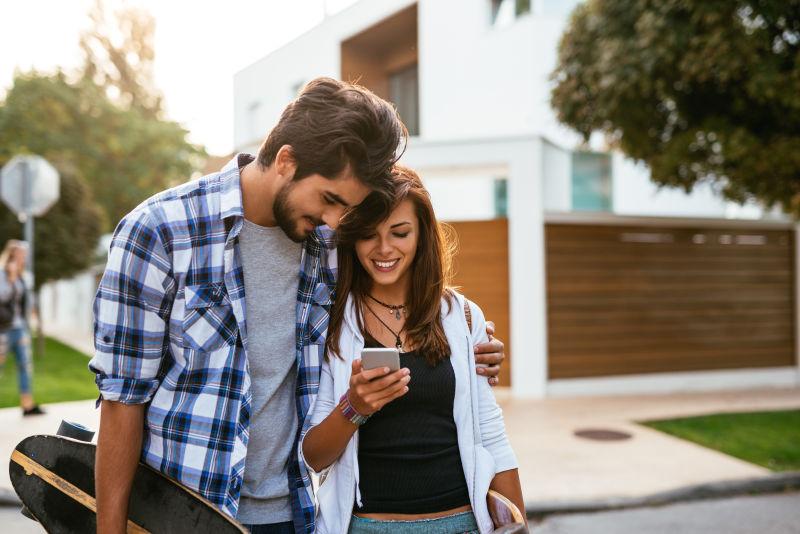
{"x": 123, "y": 155}
{"x": 65, "y": 238}
{"x": 700, "y": 90}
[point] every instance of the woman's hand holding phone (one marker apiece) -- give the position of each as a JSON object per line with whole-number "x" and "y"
{"x": 372, "y": 389}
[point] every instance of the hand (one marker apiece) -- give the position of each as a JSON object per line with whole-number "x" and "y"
{"x": 490, "y": 354}
{"x": 370, "y": 390}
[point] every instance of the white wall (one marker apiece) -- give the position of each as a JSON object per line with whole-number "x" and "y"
{"x": 556, "y": 177}
{"x": 635, "y": 194}
{"x": 269, "y": 84}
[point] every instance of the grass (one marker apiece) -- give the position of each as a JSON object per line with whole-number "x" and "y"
{"x": 769, "y": 439}
{"x": 61, "y": 374}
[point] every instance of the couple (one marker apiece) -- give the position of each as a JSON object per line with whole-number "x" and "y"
{"x": 212, "y": 339}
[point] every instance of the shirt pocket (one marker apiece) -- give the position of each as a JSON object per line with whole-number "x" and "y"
{"x": 208, "y": 319}
{"x": 319, "y": 314}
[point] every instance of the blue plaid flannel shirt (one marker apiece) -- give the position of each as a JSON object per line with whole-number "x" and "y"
{"x": 170, "y": 331}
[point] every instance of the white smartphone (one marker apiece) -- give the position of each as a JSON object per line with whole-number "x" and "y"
{"x": 380, "y": 357}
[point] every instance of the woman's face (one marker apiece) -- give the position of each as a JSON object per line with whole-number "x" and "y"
{"x": 387, "y": 254}
{"x": 18, "y": 256}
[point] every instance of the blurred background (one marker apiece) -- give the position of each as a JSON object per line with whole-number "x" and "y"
{"x": 623, "y": 176}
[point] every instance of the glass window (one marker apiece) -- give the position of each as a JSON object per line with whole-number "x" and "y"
{"x": 503, "y": 12}
{"x": 404, "y": 92}
{"x": 591, "y": 181}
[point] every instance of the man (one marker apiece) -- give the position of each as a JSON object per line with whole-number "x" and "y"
{"x": 209, "y": 339}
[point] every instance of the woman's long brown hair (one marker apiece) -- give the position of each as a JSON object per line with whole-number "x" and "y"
{"x": 431, "y": 270}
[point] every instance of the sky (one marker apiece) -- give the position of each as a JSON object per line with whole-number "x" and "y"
{"x": 199, "y": 46}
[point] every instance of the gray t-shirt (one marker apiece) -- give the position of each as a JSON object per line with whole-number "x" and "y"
{"x": 271, "y": 265}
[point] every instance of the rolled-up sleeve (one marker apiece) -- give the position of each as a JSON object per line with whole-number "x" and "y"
{"x": 324, "y": 404}
{"x": 493, "y": 428}
{"x": 131, "y": 313}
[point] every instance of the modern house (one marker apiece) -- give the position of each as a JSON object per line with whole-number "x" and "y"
{"x": 599, "y": 282}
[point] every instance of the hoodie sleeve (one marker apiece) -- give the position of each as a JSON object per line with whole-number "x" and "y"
{"x": 493, "y": 430}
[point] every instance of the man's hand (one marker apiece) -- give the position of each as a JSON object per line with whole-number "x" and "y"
{"x": 490, "y": 354}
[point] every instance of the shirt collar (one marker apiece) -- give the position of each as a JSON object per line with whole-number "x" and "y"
{"x": 230, "y": 186}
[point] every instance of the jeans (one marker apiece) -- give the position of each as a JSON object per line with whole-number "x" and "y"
{"x": 461, "y": 523}
{"x": 272, "y": 528}
{"x": 19, "y": 342}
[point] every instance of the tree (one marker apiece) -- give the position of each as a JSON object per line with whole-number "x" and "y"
{"x": 123, "y": 155}
{"x": 65, "y": 238}
{"x": 119, "y": 57}
{"x": 700, "y": 90}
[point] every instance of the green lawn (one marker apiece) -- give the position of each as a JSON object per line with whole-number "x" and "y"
{"x": 60, "y": 375}
{"x": 769, "y": 439}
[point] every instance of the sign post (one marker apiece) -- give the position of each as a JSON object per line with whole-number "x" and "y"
{"x": 29, "y": 186}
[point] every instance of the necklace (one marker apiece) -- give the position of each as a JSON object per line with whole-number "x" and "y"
{"x": 397, "y": 341}
{"x": 393, "y": 308}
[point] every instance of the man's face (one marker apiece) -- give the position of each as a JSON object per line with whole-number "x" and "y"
{"x": 300, "y": 206}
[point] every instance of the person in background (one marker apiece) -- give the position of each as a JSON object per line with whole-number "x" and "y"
{"x": 14, "y": 331}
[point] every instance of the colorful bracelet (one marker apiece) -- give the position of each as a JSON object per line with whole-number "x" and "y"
{"x": 350, "y": 413}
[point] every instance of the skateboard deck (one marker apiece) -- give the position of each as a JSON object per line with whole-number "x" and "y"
{"x": 54, "y": 478}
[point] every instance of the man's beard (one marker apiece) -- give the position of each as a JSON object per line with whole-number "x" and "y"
{"x": 281, "y": 210}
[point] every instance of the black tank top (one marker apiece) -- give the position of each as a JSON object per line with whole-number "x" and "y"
{"x": 408, "y": 455}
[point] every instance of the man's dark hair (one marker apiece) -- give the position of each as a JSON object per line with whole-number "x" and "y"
{"x": 332, "y": 124}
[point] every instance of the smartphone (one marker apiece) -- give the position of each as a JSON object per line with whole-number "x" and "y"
{"x": 380, "y": 357}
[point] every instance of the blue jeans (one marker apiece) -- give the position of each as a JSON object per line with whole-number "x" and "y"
{"x": 461, "y": 523}
{"x": 272, "y": 528}
{"x": 19, "y": 342}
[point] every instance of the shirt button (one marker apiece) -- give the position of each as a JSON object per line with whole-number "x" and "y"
{"x": 106, "y": 339}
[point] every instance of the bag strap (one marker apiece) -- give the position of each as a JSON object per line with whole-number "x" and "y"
{"x": 468, "y": 314}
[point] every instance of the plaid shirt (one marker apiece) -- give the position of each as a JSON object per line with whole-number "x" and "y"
{"x": 170, "y": 330}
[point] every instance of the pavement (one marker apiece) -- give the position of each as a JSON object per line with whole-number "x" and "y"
{"x": 559, "y": 471}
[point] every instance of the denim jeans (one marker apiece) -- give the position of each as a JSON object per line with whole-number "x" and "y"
{"x": 18, "y": 341}
{"x": 272, "y": 528}
{"x": 461, "y": 523}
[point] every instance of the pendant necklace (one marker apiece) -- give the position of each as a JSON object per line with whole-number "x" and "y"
{"x": 398, "y": 341}
{"x": 394, "y": 309}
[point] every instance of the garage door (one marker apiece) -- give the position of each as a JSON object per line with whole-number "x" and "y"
{"x": 643, "y": 299}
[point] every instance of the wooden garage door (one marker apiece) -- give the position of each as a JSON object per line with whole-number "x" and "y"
{"x": 624, "y": 300}
{"x": 481, "y": 267}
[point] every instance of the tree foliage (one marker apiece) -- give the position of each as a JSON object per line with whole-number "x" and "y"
{"x": 123, "y": 155}
{"x": 700, "y": 90}
{"x": 65, "y": 238}
{"x": 119, "y": 56}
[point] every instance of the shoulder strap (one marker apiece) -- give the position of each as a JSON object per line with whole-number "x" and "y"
{"x": 468, "y": 314}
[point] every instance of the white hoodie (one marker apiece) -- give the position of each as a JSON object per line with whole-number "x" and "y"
{"x": 482, "y": 441}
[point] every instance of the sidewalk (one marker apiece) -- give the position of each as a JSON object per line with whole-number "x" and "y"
{"x": 555, "y": 466}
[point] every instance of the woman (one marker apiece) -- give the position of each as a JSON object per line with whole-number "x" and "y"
{"x": 13, "y": 323}
{"x": 433, "y": 442}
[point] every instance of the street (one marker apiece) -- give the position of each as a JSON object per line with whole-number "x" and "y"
{"x": 763, "y": 514}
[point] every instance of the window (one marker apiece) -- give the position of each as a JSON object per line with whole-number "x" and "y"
{"x": 591, "y": 181}
{"x": 500, "y": 198}
{"x": 404, "y": 92}
{"x": 505, "y": 11}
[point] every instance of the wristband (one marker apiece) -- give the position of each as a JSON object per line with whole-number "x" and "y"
{"x": 350, "y": 413}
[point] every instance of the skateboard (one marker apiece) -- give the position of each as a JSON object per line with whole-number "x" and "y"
{"x": 54, "y": 478}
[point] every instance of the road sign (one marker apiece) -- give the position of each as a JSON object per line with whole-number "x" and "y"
{"x": 29, "y": 185}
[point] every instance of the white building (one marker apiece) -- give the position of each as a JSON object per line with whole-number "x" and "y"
{"x": 471, "y": 80}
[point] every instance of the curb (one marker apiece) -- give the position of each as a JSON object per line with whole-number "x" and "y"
{"x": 777, "y": 483}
